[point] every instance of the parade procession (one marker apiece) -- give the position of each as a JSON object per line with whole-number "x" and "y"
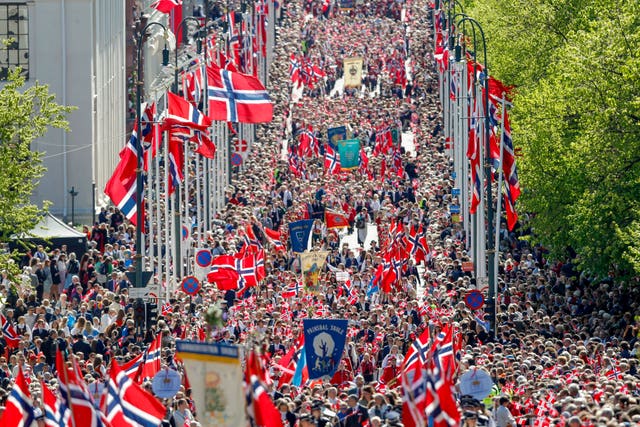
{"x": 314, "y": 221}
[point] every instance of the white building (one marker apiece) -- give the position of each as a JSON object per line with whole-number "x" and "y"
{"x": 78, "y": 48}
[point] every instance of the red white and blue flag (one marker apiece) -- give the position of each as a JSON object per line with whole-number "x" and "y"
{"x": 274, "y": 238}
{"x": 132, "y": 367}
{"x": 237, "y": 98}
{"x": 10, "y": 336}
{"x": 331, "y": 160}
{"x": 152, "y": 359}
{"x": 55, "y": 413}
{"x": 180, "y": 111}
{"x": 128, "y": 404}
{"x": 18, "y": 410}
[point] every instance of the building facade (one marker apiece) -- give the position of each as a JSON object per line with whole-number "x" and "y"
{"x": 78, "y": 48}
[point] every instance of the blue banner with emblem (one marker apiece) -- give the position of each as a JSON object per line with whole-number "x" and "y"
{"x": 336, "y": 134}
{"x": 299, "y": 233}
{"x": 324, "y": 341}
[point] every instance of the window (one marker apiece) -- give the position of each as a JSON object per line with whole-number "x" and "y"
{"x": 14, "y": 31}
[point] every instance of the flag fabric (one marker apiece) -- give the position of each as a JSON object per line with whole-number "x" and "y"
{"x": 236, "y": 97}
{"x": 223, "y": 272}
{"x": 176, "y": 163}
{"x": 441, "y": 404}
{"x": 55, "y": 414}
{"x": 299, "y": 232}
{"x": 152, "y": 359}
{"x": 10, "y": 336}
{"x": 335, "y": 219}
{"x": 246, "y": 268}
{"x": 18, "y": 410}
{"x": 132, "y": 367}
{"x": 414, "y": 398}
{"x": 260, "y": 407}
{"x": 183, "y": 133}
{"x": 332, "y": 163}
{"x": 418, "y": 243}
{"x": 122, "y": 186}
{"x": 128, "y": 404}
{"x": 325, "y": 340}
{"x": 301, "y": 374}
{"x": 349, "y": 152}
{"x": 166, "y": 6}
{"x": 294, "y": 70}
{"x": 75, "y": 395}
{"x": 180, "y": 111}
{"x": 419, "y": 352}
{"x": 274, "y": 238}
{"x": 289, "y": 363}
{"x": 166, "y": 309}
{"x": 292, "y": 290}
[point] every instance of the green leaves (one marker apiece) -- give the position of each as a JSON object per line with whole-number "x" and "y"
{"x": 25, "y": 114}
{"x": 577, "y": 117}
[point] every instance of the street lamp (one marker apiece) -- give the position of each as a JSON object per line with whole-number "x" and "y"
{"x": 491, "y": 300}
{"x": 73, "y": 194}
{"x": 139, "y": 187}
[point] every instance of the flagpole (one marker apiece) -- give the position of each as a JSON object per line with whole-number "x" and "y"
{"x": 157, "y": 135}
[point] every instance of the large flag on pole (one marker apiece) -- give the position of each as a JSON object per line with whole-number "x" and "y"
{"x": 215, "y": 376}
{"x": 18, "y": 410}
{"x": 236, "y": 97}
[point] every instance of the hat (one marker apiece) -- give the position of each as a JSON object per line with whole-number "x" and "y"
{"x": 392, "y": 416}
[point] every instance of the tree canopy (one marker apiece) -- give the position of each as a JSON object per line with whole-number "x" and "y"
{"x": 25, "y": 114}
{"x": 576, "y": 115}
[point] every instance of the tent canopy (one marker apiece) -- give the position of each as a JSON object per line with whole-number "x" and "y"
{"x": 52, "y": 233}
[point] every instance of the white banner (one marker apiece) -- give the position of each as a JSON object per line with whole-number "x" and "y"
{"x": 215, "y": 376}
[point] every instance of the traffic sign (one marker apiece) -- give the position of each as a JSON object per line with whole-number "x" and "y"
{"x": 185, "y": 233}
{"x": 166, "y": 383}
{"x": 236, "y": 159}
{"x": 203, "y": 258}
{"x": 467, "y": 266}
{"x": 144, "y": 293}
{"x": 474, "y": 300}
{"x": 455, "y": 191}
{"x": 454, "y": 209}
{"x": 146, "y": 275}
{"x": 191, "y": 285}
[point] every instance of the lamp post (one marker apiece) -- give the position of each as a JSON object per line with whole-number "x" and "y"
{"x": 139, "y": 187}
{"x": 73, "y": 194}
{"x": 491, "y": 300}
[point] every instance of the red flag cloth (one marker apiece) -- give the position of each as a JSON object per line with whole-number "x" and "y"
{"x": 274, "y": 238}
{"x": 224, "y": 273}
{"x": 259, "y": 404}
{"x": 52, "y": 407}
{"x": 152, "y": 359}
{"x": 128, "y": 404}
{"x": 335, "y": 219}
{"x": 166, "y": 6}
{"x": 176, "y": 163}
{"x": 132, "y": 367}
{"x": 180, "y": 111}
{"x": 10, "y": 336}
{"x": 236, "y": 97}
{"x": 19, "y": 406}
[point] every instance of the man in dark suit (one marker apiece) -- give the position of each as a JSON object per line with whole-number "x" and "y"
{"x": 356, "y": 414}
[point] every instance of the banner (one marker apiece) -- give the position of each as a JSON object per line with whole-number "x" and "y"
{"x": 324, "y": 342}
{"x": 347, "y": 4}
{"x": 215, "y": 376}
{"x": 311, "y": 263}
{"x": 349, "y": 150}
{"x": 299, "y": 233}
{"x": 353, "y": 72}
{"x": 336, "y": 134}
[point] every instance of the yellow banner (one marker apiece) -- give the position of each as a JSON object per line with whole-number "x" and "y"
{"x": 311, "y": 264}
{"x": 353, "y": 72}
{"x": 215, "y": 376}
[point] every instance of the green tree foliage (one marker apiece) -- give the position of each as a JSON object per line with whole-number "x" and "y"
{"x": 25, "y": 114}
{"x": 576, "y": 66}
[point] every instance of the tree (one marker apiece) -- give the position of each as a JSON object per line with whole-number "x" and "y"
{"x": 577, "y": 117}
{"x": 25, "y": 114}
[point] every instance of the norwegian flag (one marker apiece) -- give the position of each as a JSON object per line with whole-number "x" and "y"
{"x": 295, "y": 70}
{"x": 237, "y": 98}
{"x": 509, "y": 160}
{"x": 176, "y": 163}
{"x": 180, "y": 111}
{"x": 443, "y": 352}
{"x": 473, "y": 153}
{"x": 418, "y": 242}
{"x": 55, "y": 414}
{"x": 10, "y": 336}
{"x": 152, "y": 359}
{"x": 331, "y": 160}
{"x": 166, "y": 309}
{"x": 352, "y": 293}
{"x": 384, "y": 140}
{"x": 122, "y": 186}
{"x": 289, "y": 362}
{"x": 246, "y": 268}
{"x": 292, "y": 290}
{"x": 419, "y": 352}
{"x": 274, "y": 238}
{"x": 223, "y": 272}
{"x": 251, "y": 243}
{"x": 614, "y": 374}
{"x": 260, "y": 407}
{"x": 132, "y": 367}
{"x": 75, "y": 396}
{"x": 192, "y": 83}
{"x": 147, "y": 123}
{"x": 414, "y": 397}
{"x": 166, "y": 6}
{"x": 234, "y": 36}
{"x": 441, "y": 404}
{"x": 18, "y": 410}
{"x": 322, "y": 311}
{"x": 128, "y": 404}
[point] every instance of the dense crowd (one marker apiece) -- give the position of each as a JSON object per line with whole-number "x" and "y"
{"x": 565, "y": 350}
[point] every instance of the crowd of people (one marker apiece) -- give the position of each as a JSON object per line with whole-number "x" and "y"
{"x": 565, "y": 348}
